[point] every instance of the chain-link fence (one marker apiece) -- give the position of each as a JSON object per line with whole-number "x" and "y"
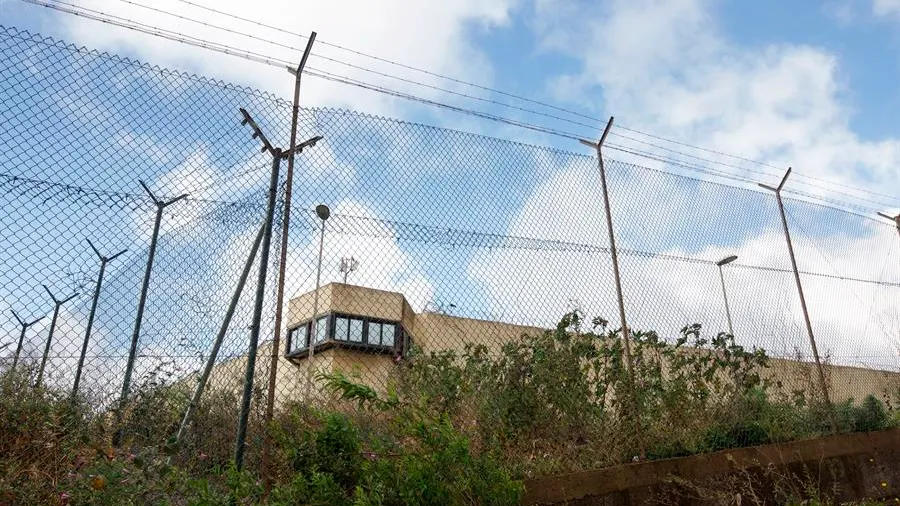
{"x": 445, "y": 264}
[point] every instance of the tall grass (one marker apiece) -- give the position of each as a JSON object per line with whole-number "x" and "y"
{"x": 451, "y": 428}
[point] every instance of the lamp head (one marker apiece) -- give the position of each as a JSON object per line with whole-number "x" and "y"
{"x": 323, "y": 212}
{"x": 727, "y": 260}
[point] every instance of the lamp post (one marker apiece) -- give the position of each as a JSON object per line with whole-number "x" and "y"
{"x": 323, "y": 212}
{"x": 725, "y": 261}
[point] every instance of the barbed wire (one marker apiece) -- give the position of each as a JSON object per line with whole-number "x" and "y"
{"x": 37, "y": 189}
{"x": 598, "y": 122}
{"x": 502, "y": 237}
{"x": 401, "y": 231}
{"x": 452, "y": 237}
{"x": 180, "y": 37}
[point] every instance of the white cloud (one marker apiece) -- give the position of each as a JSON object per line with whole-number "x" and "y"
{"x": 665, "y": 295}
{"x": 842, "y": 11}
{"x": 382, "y": 263}
{"x": 433, "y": 35}
{"x": 665, "y": 67}
{"x": 885, "y": 7}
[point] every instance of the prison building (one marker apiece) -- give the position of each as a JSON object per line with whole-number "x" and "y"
{"x": 366, "y": 332}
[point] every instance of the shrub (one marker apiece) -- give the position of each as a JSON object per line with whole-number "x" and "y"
{"x": 425, "y": 461}
{"x": 38, "y": 430}
{"x": 453, "y": 427}
{"x": 871, "y": 416}
{"x": 562, "y": 399}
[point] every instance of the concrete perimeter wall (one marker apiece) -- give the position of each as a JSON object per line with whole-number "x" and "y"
{"x": 857, "y": 466}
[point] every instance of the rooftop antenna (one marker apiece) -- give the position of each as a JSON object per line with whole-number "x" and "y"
{"x": 348, "y": 265}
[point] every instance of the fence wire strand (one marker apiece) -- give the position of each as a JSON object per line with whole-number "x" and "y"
{"x": 444, "y": 253}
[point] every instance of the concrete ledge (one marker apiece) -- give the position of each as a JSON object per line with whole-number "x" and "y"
{"x": 604, "y": 482}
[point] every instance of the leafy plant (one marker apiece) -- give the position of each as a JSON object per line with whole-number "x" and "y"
{"x": 427, "y": 461}
{"x": 451, "y": 427}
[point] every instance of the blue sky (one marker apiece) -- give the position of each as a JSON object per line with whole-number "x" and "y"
{"x": 806, "y": 84}
{"x": 865, "y": 44}
{"x": 817, "y": 77}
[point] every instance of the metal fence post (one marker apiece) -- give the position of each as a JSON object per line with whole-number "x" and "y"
{"x": 223, "y": 329}
{"x": 90, "y": 323}
{"x": 56, "y": 305}
{"x": 255, "y": 326}
{"x": 282, "y": 260}
{"x": 142, "y": 300}
{"x": 626, "y": 338}
{"x": 895, "y": 219}
{"x": 812, "y": 340}
{"x": 25, "y": 326}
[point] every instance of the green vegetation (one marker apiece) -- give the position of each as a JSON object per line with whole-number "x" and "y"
{"x": 453, "y": 428}
{"x": 54, "y": 452}
{"x": 560, "y": 401}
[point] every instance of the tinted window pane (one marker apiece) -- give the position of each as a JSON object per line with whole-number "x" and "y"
{"x": 298, "y": 338}
{"x": 341, "y": 326}
{"x": 387, "y": 334}
{"x": 320, "y": 329}
{"x": 356, "y": 331}
{"x": 374, "y": 333}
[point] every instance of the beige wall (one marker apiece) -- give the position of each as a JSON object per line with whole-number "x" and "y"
{"x": 300, "y": 308}
{"x": 843, "y": 382}
{"x": 355, "y": 300}
{"x": 372, "y": 370}
{"x": 291, "y": 381}
{"x": 434, "y": 332}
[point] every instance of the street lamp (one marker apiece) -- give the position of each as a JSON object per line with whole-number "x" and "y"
{"x": 323, "y": 213}
{"x": 725, "y": 261}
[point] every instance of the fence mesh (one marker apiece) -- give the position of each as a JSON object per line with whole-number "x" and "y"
{"x": 444, "y": 269}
